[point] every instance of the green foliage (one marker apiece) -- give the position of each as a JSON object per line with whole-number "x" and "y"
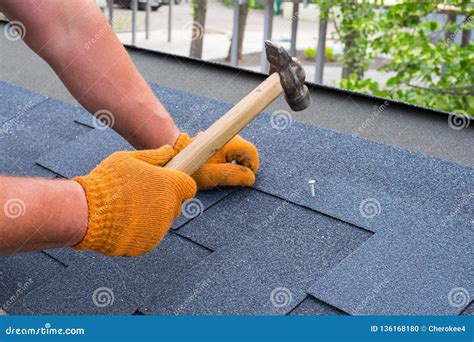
{"x": 330, "y": 55}
{"x": 353, "y": 22}
{"x": 256, "y": 4}
{"x": 310, "y": 53}
{"x": 429, "y": 68}
{"x": 194, "y": 5}
{"x": 252, "y": 4}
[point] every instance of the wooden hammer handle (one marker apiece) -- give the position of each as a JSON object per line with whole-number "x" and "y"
{"x": 218, "y": 134}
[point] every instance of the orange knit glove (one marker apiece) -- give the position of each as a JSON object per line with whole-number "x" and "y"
{"x": 132, "y": 201}
{"x": 219, "y": 169}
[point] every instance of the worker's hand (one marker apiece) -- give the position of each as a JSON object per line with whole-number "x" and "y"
{"x": 133, "y": 201}
{"x": 220, "y": 169}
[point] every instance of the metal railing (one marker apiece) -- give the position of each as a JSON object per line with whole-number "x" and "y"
{"x": 267, "y": 26}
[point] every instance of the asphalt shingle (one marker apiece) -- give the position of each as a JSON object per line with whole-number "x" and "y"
{"x": 420, "y": 207}
{"x": 141, "y": 275}
{"x": 469, "y": 311}
{"x": 297, "y": 234}
{"x": 79, "y": 291}
{"x": 403, "y": 195}
{"x": 79, "y": 156}
{"x": 311, "y": 306}
{"x": 38, "y": 130}
{"x": 372, "y": 185}
{"x": 16, "y": 101}
{"x": 406, "y": 273}
{"x": 22, "y": 273}
{"x": 267, "y": 253}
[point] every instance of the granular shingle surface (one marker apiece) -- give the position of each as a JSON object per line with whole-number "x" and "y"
{"x": 142, "y": 275}
{"x": 420, "y": 268}
{"x": 44, "y": 127}
{"x": 79, "y": 290}
{"x": 283, "y": 255}
{"x": 80, "y": 156}
{"x": 299, "y": 243}
{"x": 16, "y": 101}
{"x": 469, "y": 311}
{"x": 22, "y": 273}
{"x": 353, "y": 176}
{"x": 259, "y": 213}
{"x": 311, "y": 306}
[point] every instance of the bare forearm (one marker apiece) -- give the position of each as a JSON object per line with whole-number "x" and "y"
{"x": 77, "y": 42}
{"x": 39, "y": 214}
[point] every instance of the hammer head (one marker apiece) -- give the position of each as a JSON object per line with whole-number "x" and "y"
{"x": 292, "y": 76}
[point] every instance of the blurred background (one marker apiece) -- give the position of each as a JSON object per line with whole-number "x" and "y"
{"x": 418, "y": 52}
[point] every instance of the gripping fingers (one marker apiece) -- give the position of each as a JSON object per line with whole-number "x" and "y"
{"x": 243, "y": 152}
{"x": 227, "y": 174}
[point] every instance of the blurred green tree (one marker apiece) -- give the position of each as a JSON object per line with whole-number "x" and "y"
{"x": 429, "y": 67}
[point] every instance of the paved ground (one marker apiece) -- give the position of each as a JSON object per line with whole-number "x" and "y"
{"x": 219, "y": 32}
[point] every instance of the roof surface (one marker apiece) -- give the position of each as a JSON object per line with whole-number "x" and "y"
{"x": 305, "y": 245}
{"x": 378, "y": 230}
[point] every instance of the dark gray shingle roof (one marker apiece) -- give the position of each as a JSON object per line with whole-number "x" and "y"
{"x": 317, "y": 253}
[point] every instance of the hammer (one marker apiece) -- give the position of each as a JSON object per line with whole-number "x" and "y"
{"x": 286, "y": 75}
